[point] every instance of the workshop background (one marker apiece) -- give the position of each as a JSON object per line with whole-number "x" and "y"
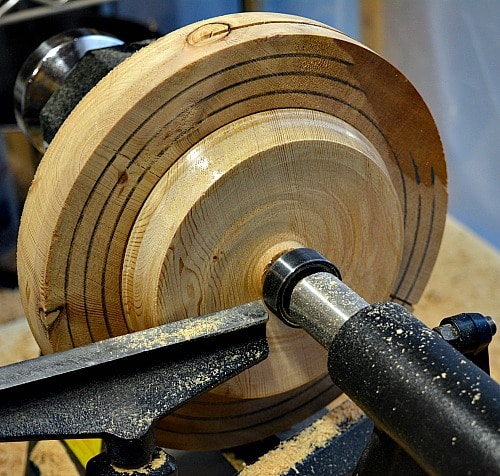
{"x": 448, "y": 49}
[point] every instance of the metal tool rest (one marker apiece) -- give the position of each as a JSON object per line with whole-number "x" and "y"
{"x": 117, "y": 389}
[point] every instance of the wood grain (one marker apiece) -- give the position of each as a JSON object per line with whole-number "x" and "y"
{"x": 124, "y": 227}
{"x": 245, "y": 194}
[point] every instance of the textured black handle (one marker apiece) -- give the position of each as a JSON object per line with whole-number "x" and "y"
{"x": 438, "y": 406}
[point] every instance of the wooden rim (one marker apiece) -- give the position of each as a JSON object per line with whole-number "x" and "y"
{"x": 149, "y": 111}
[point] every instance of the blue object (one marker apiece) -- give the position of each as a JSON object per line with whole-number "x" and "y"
{"x": 9, "y": 215}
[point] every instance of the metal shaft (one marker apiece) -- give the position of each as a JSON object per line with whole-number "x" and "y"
{"x": 321, "y": 304}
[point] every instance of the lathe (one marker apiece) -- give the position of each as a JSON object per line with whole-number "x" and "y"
{"x": 214, "y": 214}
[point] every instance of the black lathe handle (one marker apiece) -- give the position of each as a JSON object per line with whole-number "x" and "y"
{"x": 437, "y": 405}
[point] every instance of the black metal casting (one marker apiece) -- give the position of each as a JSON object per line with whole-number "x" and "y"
{"x": 118, "y": 388}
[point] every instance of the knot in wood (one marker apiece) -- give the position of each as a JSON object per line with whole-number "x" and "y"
{"x": 208, "y": 33}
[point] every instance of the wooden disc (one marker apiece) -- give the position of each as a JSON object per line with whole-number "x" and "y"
{"x": 242, "y": 196}
{"x": 202, "y": 157}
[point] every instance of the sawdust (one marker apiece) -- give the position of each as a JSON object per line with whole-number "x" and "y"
{"x": 52, "y": 459}
{"x": 10, "y": 305}
{"x": 191, "y": 328}
{"x": 12, "y": 458}
{"x": 290, "y": 453}
{"x": 17, "y": 342}
{"x": 157, "y": 463}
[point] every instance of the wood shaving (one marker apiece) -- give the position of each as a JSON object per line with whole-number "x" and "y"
{"x": 52, "y": 459}
{"x": 291, "y": 452}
